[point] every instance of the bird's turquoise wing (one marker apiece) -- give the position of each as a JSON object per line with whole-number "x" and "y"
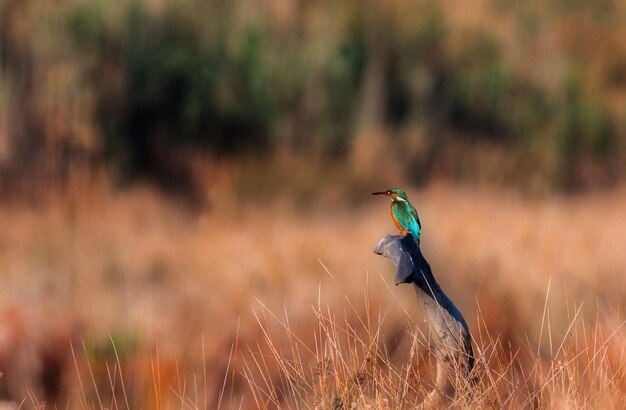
{"x": 415, "y": 226}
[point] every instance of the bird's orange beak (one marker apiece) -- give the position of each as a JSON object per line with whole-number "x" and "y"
{"x": 380, "y": 193}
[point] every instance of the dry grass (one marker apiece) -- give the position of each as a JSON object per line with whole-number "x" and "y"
{"x": 240, "y": 307}
{"x": 351, "y": 366}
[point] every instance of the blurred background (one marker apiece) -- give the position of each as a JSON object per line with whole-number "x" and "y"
{"x": 169, "y": 168}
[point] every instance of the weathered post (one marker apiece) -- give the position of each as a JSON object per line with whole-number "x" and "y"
{"x": 453, "y": 350}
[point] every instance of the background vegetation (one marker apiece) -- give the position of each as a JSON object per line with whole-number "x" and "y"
{"x": 164, "y": 163}
{"x": 532, "y": 95}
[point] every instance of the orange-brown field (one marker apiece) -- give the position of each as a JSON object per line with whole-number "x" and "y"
{"x": 126, "y": 300}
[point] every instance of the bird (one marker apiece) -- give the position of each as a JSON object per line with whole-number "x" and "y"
{"x": 403, "y": 214}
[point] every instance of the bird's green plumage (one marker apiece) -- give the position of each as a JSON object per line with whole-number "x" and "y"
{"x": 406, "y": 215}
{"x": 403, "y": 213}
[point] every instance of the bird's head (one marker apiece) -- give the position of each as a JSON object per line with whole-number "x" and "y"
{"x": 395, "y": 194}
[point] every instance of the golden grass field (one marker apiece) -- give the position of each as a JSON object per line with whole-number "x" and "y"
{"x": 129, "y": 300}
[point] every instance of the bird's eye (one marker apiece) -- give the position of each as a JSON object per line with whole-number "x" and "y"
{"x": 388, "y": 192}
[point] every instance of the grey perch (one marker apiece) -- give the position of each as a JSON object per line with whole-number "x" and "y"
{"x": 453, "y": 349}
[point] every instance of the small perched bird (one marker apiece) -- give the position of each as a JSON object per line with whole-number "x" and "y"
{"x": 403, "y": 213}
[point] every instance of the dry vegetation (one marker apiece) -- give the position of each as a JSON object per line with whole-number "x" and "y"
{"x": 126, "y": 300}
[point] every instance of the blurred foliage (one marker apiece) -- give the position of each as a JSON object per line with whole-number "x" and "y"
{"x": 343, "y": 75}
{"x": 177, "y": 88}
{"x": 479, "y": 93}
{"x": 585, "y": 130}
{"x": 155, "y": 81}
